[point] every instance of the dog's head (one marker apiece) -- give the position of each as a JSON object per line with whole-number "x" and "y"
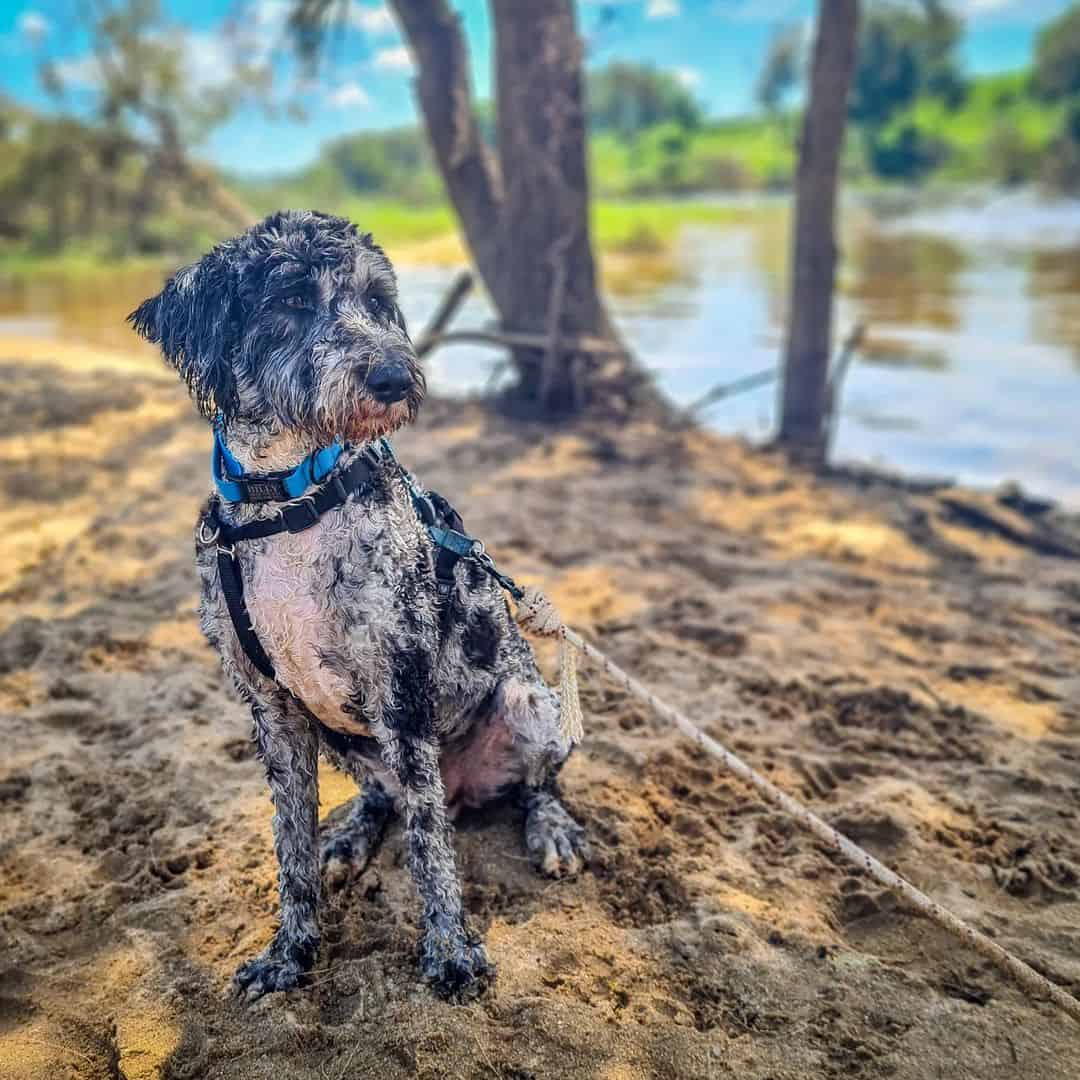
{"x": 295, "y": 321}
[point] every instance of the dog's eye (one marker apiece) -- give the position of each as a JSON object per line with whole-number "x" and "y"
{"x": 297, "y": 300}
{"x": 375, "y": 303}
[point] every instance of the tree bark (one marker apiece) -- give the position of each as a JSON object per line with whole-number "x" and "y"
{"x": 467, "y": 164}
{"x": 547, "y": 264}
{"x": 525, "y": 213}
{"x": 806, "y": 361}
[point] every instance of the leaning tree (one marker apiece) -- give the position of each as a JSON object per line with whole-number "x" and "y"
{"x": 804, "y": 396}
{"x": 523, "y": 204}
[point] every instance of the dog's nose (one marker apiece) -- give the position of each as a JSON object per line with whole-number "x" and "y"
{"x": 389, "y": 381}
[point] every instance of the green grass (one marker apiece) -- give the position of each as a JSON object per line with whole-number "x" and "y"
{"x": 637, "y": 226}
{"x": 649, "y": 226}
{"x": 74, "y": 264}
{"x": 398, "y": 224}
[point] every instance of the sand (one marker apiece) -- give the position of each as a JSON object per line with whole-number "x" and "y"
{"x": 906, "y": 668}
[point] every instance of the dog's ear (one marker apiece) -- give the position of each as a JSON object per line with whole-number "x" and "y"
{"x": 194, "y": 320}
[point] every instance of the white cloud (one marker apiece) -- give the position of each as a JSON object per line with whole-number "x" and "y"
{"x": 981, "y": 7}
{"x": 662, "y": 9}
{"x": 350, "y": 96}
{"x": 79, "y": 72}
{"x": 208, "y": 61}
{"x": 371, "y": 20}
{"x": 688, "y": 77}
{"x": 33, "y": 25}
{"x": 394, "y": 59}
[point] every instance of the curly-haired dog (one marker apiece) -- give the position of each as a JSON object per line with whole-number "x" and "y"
{"x": 290, "y": 339}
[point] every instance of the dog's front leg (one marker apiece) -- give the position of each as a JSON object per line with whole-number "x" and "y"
{"x": 452, "y": 959}
{"x": 288, "y": 747}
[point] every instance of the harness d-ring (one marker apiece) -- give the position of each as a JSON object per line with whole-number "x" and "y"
{"x": 204, "y": 539}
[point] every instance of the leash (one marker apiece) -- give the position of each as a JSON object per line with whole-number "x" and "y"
{"x": 536, "y": 614}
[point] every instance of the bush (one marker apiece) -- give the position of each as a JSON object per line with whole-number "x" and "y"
{"x": 1057, "y": 57}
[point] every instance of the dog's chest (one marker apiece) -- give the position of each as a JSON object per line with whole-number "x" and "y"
{"x": 294, "y": 614}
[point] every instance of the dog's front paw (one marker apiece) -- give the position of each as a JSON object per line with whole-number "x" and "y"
{"x": 555, "y": 841}
{"x": 265, "y": 974}
{"x": 456, "y": 965}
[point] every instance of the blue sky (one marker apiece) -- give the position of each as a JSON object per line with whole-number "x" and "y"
{"x": 715, "y": 46}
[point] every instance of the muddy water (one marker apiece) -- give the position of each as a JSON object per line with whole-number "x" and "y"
{"x": 971, "y": 368}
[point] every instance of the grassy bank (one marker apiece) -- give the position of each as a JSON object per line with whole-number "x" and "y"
{"x": 644, "y": 227}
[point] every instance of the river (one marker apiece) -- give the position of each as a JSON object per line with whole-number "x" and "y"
{"x": 971, "y": 367}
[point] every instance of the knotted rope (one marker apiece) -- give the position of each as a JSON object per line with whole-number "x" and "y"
{"x": 536, "y": 614}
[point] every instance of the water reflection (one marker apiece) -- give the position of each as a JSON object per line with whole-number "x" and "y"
{"x": 970, "y": 368}
{"x": 907, "y": 280}
{"x": 1054, "y": 296}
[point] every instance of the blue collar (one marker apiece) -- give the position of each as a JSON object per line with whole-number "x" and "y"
{"x": 237, "y": 486}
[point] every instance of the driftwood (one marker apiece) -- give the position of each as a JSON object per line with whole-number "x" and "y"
{"x": 510, "y": 339}
{"x": 445, "y": 312}
{"x": 770, "y": 375}
{"x": 989, "y": 515}
{"x": 836, "y": 381}
{"x": 436, "y": 334}
{"x": 736, "y": 386}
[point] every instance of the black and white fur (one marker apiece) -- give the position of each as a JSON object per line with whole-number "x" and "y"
{"x": 292, "y": 335}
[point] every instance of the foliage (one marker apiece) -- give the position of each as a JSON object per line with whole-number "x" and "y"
{"x": 1056, "y": 79}
{"x": 627, "y": 99}
{"x": 1056, "y": 74}
{"x": 123, "y": 178}
{"x": 904, "y": 53}
{"x": 782, "y": 70}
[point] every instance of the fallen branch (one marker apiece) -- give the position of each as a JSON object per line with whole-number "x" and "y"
{"x": 836, "y": 381}
{"x": 509, "y": 339}
{"x": 730, "y": 389}
{"x": 445, "y": 312}
{"x": 537, "y": 614}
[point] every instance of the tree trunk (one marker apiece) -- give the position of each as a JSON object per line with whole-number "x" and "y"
{"x": 547, "y": 269}
{"x": 806, "y": 361}
{"x": 525, "y": 213}
{"x": 468, "y": 167}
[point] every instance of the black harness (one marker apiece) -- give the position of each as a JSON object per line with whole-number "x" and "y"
{"x": 443, "y": 523}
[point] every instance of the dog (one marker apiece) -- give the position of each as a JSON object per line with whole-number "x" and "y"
{"x": 290, "y": 339}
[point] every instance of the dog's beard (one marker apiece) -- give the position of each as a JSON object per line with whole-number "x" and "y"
{"x": 376, "y": 420}
{"x": 360, "y": 419}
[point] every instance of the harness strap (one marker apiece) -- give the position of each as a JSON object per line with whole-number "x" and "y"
{"x": 443, "y": 522}
{"x": 232, "y": 585}
{"x": 293, "y": 518}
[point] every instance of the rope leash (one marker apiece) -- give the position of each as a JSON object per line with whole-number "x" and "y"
{"x": 536, "y": 614}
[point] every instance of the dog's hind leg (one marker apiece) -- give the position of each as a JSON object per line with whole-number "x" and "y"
{"x": 288, "y": 746}
{"x": 554, "y": 840}
{"x": 349, "y": 846}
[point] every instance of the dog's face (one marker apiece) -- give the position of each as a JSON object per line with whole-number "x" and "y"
{"x": 294, "y": 322}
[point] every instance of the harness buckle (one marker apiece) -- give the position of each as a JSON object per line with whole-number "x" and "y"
{"x": 300, "y": 515}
